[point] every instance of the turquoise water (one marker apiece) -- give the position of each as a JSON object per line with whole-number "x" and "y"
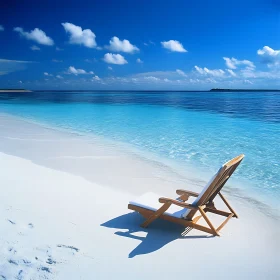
{"x": 201, "y": 129}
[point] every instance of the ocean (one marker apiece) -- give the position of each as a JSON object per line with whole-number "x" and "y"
{"x": 198, "y": 129}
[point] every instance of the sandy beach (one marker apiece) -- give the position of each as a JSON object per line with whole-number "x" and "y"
{"x": 63, "y": 215}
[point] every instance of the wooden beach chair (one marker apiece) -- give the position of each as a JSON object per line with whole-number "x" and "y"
{"x": 180, "y": 212}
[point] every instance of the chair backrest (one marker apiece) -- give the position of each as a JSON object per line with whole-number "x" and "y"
{"x": 215, "y": 185}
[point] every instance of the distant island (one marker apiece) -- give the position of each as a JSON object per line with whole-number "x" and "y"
{"x": 148, "y": 91}
{"x": 227, "y": 89}
{"x": 14, "y": 90}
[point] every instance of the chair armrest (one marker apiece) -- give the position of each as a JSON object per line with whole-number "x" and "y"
{"x": 176, "y": 202}
{"x": 187, "y": 193}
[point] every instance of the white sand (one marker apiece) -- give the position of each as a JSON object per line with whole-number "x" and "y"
{"x": 63, "y": 215}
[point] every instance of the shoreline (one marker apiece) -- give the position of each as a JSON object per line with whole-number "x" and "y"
{"x": 63, "y": 215}
{"x": 189, "y": 176}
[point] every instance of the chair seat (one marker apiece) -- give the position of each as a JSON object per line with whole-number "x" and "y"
{"x": 150, "y": 201}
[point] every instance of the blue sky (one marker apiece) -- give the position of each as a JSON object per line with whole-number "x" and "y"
{"x": 140, "y": 44}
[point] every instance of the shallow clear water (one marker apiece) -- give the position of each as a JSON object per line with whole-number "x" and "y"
{"x": 204, "y": 129}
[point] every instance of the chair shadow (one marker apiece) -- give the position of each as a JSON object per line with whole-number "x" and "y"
{"x": 159, "y": 233}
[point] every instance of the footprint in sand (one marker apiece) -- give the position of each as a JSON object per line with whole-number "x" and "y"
{"x": 24, "y": 263}
{"x": 50, "y": 261}
{"x": 68, "y": 247}
{"x": 13, "y": 223}
{"x": 30, "y": 225}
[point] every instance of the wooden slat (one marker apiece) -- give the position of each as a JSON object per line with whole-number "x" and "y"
{"x": 146, "y": 213}
{"x": 231, "y": 165}
{"x": 188, "y": 229}
{"x": 223, "y": 224}
{"x": 183, "y": 197}
{"x": 188, "y": 193}
{"x": 202, "y": 228}
{"x": 208, "y": 221}
{"x": 227, "y": 204}
{"x": 156, "y": 214}
{"x": 216, "y": 211}
{"x": 219, "y": 181}
{"x": 186, "y": 223}
{"x": 196, "y": 219}
{"x": 178, "y": 203}
{"x": 204, "y": 198}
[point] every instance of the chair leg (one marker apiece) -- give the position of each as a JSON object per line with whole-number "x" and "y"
{"x": 156, "y": 214}
{"x": 208, "y": 221}
{"x": 189, "y": 228}
{"x": 223, "y": 223}
{"x": 227, "y": 204}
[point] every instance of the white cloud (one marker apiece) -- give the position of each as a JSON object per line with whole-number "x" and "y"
{"x": 117, "y": 45}
{"x": 194, "y": 81}
{"x": 17, "y": 61}
{"x": 231, "y": 72}
{"x": 1, "y": 28}
{"x": 58, "y": 49}
{"x": 269, "y": 56}
{"x": 20, "y": 82}
{"x": 35, "y": 48}
{"x": 8, "y": 66}
{"x": 182, "y": 73}
{"x": 79, "y": 36}
{"x": 247, "y": 73}
{"x": 59, "y": 77}
{"x": 114, "y": 59}
{"x": 199, "y": 70}
{"x": 90, "y": 60}
{"x": 232, "y": 63}
{"x": 215, "y": 72}
{"x": 174, "y": 46}
{"x": 151, "y": 78}
{"x": 138, "y": 60}
{"x": 229, "y": 63}
{"x": 96, "y": 78}
{"x": 248, "y": 82}
{"x": 73, "y": 70}
{"x": 211, "y": 81}
{"x": 55, "y": 60}
{"x": 36, "y": 35}
{"x": 149, "y": 43}
{"x": 206, "y": 71}
{"x": 47, "y": 74}
{"x": 110, "y": 68}
{"x": 206, "y": 77}
{"x": 160, "y": 75}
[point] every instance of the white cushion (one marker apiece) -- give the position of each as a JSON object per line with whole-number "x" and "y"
{"x": 203, "y": 191}
{"x": 150, "y": 201}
